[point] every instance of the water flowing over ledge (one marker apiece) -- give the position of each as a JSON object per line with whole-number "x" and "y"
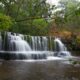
{"x": 18, "y": 46}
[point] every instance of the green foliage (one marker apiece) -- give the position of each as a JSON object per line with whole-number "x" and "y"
{"x": 78, "y": 40}
{"x": 69, "y": 15}
{"x": 5, "y": 22}
{"x": 32, "y": 27}
{"x": 26, "y": 8}
{"x": 28, "y": 15}
{"x": 41, "y": 26}
{"x": 74, "y": 62}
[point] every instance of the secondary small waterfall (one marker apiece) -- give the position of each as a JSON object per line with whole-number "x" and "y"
{"x": 61, "y": 48}
{"x": 18, "y": 46}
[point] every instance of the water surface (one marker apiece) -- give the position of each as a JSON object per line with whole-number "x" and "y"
{"x": 38, "y": 70}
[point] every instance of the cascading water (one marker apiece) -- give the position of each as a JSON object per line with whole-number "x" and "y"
{"x": 39, "y": 43}
{"x": 45, "y": 43}
{"x": 17, "y": 46}
{"x": 61, "y": 48}
{"x": 0, "y": 43}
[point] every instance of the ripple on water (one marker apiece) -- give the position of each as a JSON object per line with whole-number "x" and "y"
{"x": 38, "y": 70}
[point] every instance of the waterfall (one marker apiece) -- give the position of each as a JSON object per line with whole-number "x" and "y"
{"x": 39, "y": 43}
{"x": 18, "y": 46}
{"x": 0, "y": 42}
{"x": 45, "y": 43}
{"x": 61, "y": 48}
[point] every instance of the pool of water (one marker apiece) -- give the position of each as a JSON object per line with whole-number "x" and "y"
{"x": 38, "y": 70}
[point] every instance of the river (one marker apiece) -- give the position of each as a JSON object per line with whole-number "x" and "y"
{"x": 38, "y": 70}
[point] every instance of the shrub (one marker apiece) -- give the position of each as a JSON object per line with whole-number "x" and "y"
{"x": 5, "y": 22}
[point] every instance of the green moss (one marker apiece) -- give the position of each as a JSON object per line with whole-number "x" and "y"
{"x": 74, "y": 62}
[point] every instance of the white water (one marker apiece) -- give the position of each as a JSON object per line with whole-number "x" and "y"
{"x": 59, "y": 45}
{"x": 39, "y": 43}
{"x": 40, "y": 47}
{"x": 17, "y": 44}
{"x": 61, "y": 49}
{"x": 0, "y": 43}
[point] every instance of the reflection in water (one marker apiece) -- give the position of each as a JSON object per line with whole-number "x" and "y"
{"x": 41, "y": 70}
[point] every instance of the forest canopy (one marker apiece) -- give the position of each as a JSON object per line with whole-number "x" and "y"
{"x": 30, "y": 16}
{"x": 37, "y": 17}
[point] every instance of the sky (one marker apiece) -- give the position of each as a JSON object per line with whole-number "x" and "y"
{"x": 53, "y": 1}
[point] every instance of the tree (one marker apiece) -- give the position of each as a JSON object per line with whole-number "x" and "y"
{"x": 41, "y": 27}
{"x": 5, "y": 22}
{"x": 25, "y": 12}
{"x": 69, "y": 15}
